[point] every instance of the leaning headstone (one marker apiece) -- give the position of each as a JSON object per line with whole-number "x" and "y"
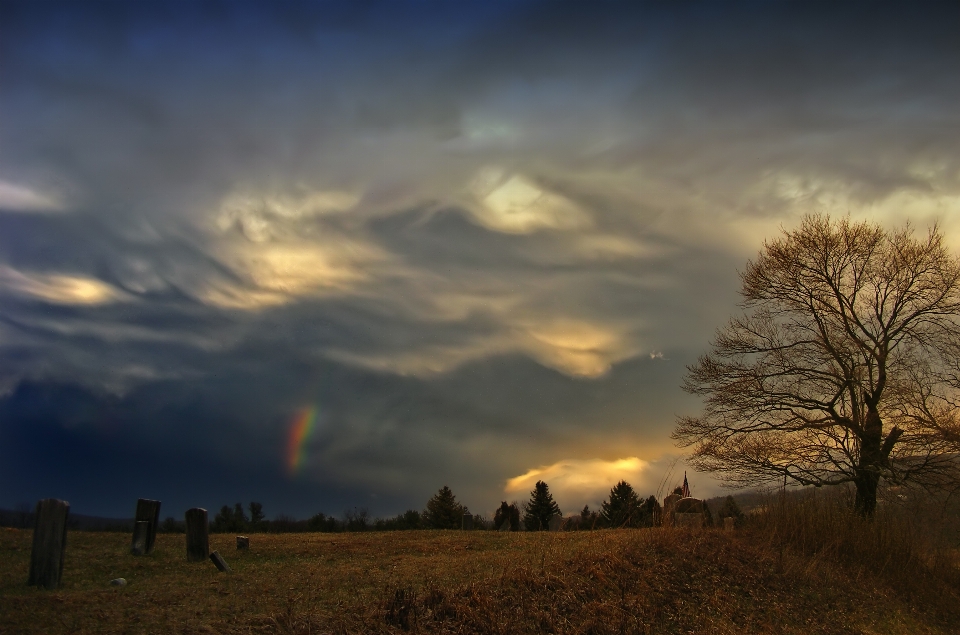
{"x": 243, "y": 542}
{"x": 505, "y": 525}
{"x": 220, "y": 562}
{"x": 467, "y": 521}
{"x": 141, "y": 530}
{"x": 555, "y": 522}
{"x": 49, "y": 543}
{"x": 198, "y": 543}
{"x": 148, "y": 511}
{"x": 729, "y": 522}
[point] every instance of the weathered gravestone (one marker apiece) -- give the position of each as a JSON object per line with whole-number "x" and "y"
{"x": 669, "y": 503}
{"x": 219, "y": 562}
{"x": 141, "y": 531}
{"x": 688, "y": 521}
{"x": 729, "y": 522}
{"x": 467, "y": 521}
{"x": 505, "y": 525}
{"x": 243, "y": 542}
{"x": 688, "y": 512}
{"x": 49, "y": 543}
{"x": 555, "y": 523}
{"x": 148, "y": 511}
{"x": 689, "y": 506}
{"x": 198, "y": 543}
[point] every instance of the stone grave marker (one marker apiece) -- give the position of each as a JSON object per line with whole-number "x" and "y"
{"x": 49, "y": 543}
{"x": 467, "y": 523}
{"x": 198, "y": 541}
{"x": 669, "y": 503}
{"x": 141, "y": 531}
{"x": 147, "y": 511}
{"x": 220, "y": 563}
{"x": 688, "y": 520}
{"x": 243, "y": 542}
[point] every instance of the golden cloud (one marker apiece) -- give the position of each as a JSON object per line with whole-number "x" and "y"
{"x": 576, "y": 482}
{"x": 514, "y": 204}
{"x": 577, "y": 347}
{"x": 59, "y": 288}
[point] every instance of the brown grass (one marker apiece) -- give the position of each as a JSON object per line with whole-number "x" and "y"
{"x": 756, "y": 580}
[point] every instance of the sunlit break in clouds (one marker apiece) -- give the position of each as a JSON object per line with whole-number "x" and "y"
{"x": 487, "y": 238}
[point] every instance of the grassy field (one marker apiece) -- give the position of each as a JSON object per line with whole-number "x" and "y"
{"x": 610, "y": 581}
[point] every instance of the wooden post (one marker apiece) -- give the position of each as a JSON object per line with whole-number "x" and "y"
{"x": 148, "y": 511}
{"x": 141, "y": 529}
{"x": 220, "y": 562}
{"x": 198, "y": 543}
{"x": 49, "y": 543}
{"x": 467, "y": 521}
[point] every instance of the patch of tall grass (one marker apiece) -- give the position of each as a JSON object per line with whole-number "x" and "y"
{"x": 911, "y": 540}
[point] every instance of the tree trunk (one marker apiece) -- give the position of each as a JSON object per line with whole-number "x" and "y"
{"x": 871, "y": 458}
{"x": 866, "y": 501}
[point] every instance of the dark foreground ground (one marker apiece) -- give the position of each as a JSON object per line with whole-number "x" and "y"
{"x": 611, "y": 581}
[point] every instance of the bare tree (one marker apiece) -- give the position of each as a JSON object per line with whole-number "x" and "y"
{"x": 842, "y": 368}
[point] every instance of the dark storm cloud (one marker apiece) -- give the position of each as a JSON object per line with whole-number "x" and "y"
{"x": 479, "y": 239}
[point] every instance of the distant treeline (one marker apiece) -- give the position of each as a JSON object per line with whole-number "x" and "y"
{"x": 622, "y": 508}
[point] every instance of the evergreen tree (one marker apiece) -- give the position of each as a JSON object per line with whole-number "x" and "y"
{"x": 223, "y": 519}
{"x": 730, "y": 509}
{"x": 256, "y": 515}
{"x": 588, "y": 518}
{"x": 651, "y": 512}
{"x": 540, "y": 508}
{"x": 622, "y": 509}
{"x": 443, "y": 511}
{"x": 240, "y": 520}
{"x": 507, "y": 512}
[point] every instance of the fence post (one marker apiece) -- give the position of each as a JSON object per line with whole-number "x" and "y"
{"x": 198, "y": 543}
{"x": 149, "y": 512}
{"x": 49, "y": 543}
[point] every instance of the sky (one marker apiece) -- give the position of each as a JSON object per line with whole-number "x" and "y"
{"x": 338, "y": 255}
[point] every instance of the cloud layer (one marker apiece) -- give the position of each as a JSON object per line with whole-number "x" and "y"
{"x": 480, "y": 240}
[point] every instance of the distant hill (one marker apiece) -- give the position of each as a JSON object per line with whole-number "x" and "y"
{"x": 81, "y": 522}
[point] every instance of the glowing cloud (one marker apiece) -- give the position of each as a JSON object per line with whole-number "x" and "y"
{"x": 300, "y": 429}
{"x": 278, "y": 273}
{"x": 578, "y": 348}
{"x": 261, "y": 217}
{"x": 17, "y": 198}
{"x": 58, "y": 288}
{"x": 577, "y": 482}
{"x": 516, "y": 205}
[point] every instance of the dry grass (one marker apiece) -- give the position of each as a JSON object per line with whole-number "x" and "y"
{"x": 615, "y": 581}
